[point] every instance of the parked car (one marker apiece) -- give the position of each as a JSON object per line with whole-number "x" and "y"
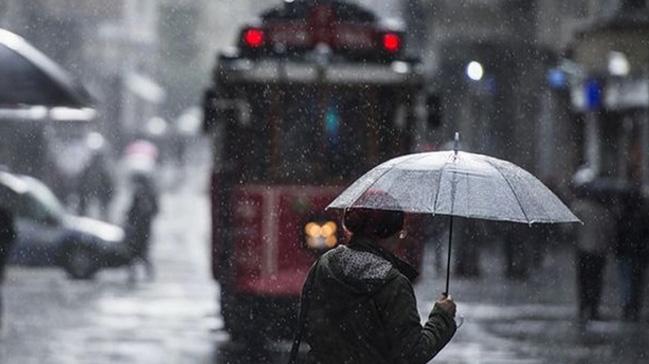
{"x": 48, "y": 235}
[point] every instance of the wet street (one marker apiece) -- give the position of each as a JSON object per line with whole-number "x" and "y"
{"x": 533, "y": 321}
{"x": 175, "y": 318}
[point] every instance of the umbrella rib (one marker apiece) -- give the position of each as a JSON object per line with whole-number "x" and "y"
{"x": 441, "y": 172}
{"x": 368, "y": 187}
{"x": 510, "y": 187}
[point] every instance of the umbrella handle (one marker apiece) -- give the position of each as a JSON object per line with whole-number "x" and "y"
{"x": 448, "y": 261}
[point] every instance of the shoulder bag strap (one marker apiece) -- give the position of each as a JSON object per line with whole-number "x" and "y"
{"x": 304, "y": 308}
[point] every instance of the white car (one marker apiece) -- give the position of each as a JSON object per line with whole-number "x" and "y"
{"x": 47, "y": 235}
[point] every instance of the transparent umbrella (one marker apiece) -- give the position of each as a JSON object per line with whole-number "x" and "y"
{"x": 456, "y": 183}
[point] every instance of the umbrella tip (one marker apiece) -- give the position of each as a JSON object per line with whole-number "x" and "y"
{"x": 456, "y": 144}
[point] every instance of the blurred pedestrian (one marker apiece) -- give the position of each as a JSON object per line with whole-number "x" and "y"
{"x": 594, "y": 240}
{"x": 7, "y": 237}
{"x": 517, "y": 242}
{"x": 358, "y": 304}
{"x": 544, "y": 237}
{"x": 467, "y": 252}
{"x": 632, "y": 253}
{"x": 435, "y": 230}
{"x": 141, "y": 213}
{"x": 141, "y": 157}
{"x": 96, "y": 185}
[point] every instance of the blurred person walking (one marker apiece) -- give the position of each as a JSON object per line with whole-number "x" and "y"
{"x": 517, "y": 246}
{"x": 467, "y": 260}
{"x": 7, "y": 237}
{"x": 632, "y": 252}
{"x": 593, "y": 241}
{"x": 358, "y": 304}
{"x": 96, "y": 184}
{"x": 435, "y": 232}
{"x": 141, "y": 213}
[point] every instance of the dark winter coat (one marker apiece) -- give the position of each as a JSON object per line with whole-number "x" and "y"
{"x": 363, "y": 310}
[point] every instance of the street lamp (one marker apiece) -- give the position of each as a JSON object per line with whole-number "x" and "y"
{"x": 618, "y": 64}
{"x": 474, "y": 71}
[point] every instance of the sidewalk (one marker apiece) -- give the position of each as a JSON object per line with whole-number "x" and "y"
{"x": 532, "y": 321}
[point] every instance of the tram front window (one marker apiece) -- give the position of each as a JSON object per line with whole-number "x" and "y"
{"x": 302, "y": 135}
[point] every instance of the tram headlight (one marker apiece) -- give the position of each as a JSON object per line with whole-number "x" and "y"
{"x": 321, "y": 235}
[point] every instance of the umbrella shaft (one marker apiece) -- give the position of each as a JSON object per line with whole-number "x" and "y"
{"x": 448, "y": 262}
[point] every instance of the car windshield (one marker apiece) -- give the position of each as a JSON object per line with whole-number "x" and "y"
{"x": 40, "y": 203}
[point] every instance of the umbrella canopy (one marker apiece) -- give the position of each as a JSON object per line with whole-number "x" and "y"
{"x": 30, "y": 78}
{"x": 456, "y": 184}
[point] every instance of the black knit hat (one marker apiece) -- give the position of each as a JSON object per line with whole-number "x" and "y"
{"x": 373, "y": 224}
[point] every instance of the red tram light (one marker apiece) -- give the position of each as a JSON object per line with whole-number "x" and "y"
{"x": 391, "y": 42}
{"x": 254, "y": 37}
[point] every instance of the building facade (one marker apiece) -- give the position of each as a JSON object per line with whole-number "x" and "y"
{"x": 489, "y": 61}
{"x": 148, "y": 58}
{"x": 111, "y": 46}
{"x": 610, "y": 92}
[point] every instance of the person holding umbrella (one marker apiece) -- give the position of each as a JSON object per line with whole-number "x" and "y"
{"x": 593, "y": 242}
{"x": 456, "y": 184}
{"x": 451, "y": 183}
{"x": 358, "y": 304}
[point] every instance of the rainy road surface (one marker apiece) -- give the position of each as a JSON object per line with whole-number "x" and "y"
{"x": 175, "y": 318}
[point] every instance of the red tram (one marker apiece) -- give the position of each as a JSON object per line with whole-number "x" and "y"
{"x": 316, "y": 93}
